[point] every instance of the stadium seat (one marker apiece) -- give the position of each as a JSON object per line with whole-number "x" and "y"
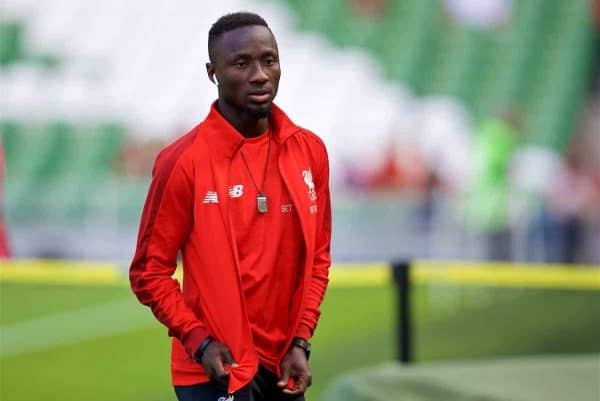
{"x": 12, "y": 134}
{"x": 11, "y": 48}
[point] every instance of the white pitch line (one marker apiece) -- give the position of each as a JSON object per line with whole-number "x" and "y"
{"x": 71, "y": 327}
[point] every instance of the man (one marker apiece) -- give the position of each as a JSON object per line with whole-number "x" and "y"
{"x": 245, "y": 198}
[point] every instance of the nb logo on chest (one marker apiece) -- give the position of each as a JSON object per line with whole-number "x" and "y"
{"x": 236, "y": 191}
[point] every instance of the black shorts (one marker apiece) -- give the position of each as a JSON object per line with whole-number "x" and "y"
{"x": 262, "y": 388}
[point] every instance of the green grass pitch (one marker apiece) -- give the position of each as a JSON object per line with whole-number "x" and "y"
{"x": 96, "y": 343}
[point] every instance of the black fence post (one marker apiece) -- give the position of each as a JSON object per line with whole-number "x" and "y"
{"x": 401, "y": 272}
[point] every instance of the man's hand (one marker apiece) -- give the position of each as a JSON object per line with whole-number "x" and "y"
{"x": 295, "y": 365}
{"x": 214, "y": 358}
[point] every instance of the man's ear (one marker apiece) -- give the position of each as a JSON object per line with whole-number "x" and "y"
{"x": 210, "y": 71}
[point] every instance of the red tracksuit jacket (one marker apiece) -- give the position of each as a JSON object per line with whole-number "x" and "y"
{"x": 187, "y": 209}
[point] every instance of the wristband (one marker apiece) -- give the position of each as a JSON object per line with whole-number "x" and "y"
{"x": 203, "y": 346}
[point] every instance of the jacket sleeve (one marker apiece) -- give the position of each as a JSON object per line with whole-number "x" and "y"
{"x": 322, "y": 259}
{"x": 165, "y": 224}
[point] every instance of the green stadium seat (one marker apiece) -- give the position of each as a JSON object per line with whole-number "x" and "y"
{"x": 407, "y": 55}
{"x": 37, "y": 161}
{"x": 87, "y": 166}
{"x": 131, "y": 196}
{"x": 12, "y": 134}
{"x": 11, "y": 48}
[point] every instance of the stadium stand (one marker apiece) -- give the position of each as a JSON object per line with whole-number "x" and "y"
{"x": 538, "y": 61}
{"x": 74, "y": 100}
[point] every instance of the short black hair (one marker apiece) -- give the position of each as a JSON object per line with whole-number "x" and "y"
{"x": 229, "y": 22}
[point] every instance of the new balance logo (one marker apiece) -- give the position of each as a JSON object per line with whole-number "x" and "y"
{"x": 230, "y": 398}
{"x": 236, "y": 191}
{"x": 211, "y": 197}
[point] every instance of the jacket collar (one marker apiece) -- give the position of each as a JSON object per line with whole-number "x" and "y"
{"x": 223, "y": 142}
{"x": 226, "y": 140}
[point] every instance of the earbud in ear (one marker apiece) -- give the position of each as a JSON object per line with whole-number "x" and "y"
{"x": 216, "y": 80}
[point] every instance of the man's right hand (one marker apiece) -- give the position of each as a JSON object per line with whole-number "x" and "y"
{"x": 214, "y": 359}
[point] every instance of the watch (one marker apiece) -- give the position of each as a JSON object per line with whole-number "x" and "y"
{"x": 302, "y": 343}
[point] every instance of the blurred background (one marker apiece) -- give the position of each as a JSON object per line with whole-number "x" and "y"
{"x": 457, "y": 130}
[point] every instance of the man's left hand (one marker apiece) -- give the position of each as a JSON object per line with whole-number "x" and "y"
{"x": 295, "y": 365}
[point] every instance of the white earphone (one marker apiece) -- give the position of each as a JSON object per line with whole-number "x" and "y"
{"x": 216, "y": 80}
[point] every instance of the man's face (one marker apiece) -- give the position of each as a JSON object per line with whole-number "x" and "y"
{"x": 246, "y": 63}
